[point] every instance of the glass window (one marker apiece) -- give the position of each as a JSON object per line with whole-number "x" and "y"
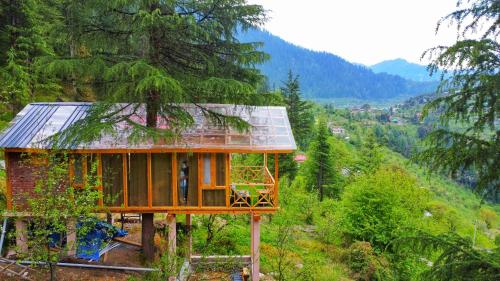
{"x": 112, "y": 179}
{"x": 137, "y": 175}
{"x": 220, "y": 169}
{"x": 161, "y": 169}
{"x": 206, "y": 168}
{"x": 77, "y": 170}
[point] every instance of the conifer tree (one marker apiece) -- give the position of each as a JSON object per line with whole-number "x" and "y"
{"x": 24, "y": 39}
{"x": 320, "y": 168}
{"x": 299, "y": 111}
{"x": 371, "y": 157}
{"x": 469, "y": 99}
{"x": 159, "y": 54}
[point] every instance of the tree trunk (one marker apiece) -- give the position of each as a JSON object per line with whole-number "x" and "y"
{"x": 320, "y": 179}
{"x": 147, "y": 238}
{"x": 152, "y": 108}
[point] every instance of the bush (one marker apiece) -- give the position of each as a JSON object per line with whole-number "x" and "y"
{"x": 381, "y": 207}
{"x": 364, "y": 263}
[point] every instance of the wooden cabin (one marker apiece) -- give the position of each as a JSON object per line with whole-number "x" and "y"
{"x": 189, "y": 174}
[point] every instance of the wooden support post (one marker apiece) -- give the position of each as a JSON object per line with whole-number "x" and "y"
{"x": 255, "y": 245}
{"x": 174, "y": 179}
{"x": 172, "y": 241}
{"x": 71, "y": 237}
{"x": 99, "y": 177}
{"x": 276, "y": 179}
{"x": 172, "y": 234}
{"x": 148, "y": 233}
{"x": 21, "y": 236}
{"x": 190, "y": 236}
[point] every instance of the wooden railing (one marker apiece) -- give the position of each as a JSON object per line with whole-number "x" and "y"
{"x": 251, "y": 186}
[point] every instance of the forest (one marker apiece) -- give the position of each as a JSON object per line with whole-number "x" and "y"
{"x": 408, "y": 192}
{"x": 318, "y": 69}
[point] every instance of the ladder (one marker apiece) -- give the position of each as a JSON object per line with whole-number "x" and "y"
{"x": 11, "y": 268}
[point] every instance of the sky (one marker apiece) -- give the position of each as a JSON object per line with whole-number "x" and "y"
{"x": 361, "y": 31}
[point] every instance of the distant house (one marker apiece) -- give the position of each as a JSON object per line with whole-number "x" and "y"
{"x": 300, "y": 158}
{"x": 395, "y": 120}
{"x": 336, "y": 130}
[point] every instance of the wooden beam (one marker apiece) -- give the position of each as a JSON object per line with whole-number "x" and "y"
{"x": 99, "y": 178}
{"x": 228, "y": 176}
{"x": 8, "y": 184}
{"x": 200, "y": 179}
{"x": 158, "y": 150}
{"x": 150, "y": 181}
{"x": 125, "y": 179}
{"x": 174, "y": 179}
{"x": 212, "y": 170}
{"x": 255, "y": 245}
{"x": 71, "y": 170}
{"x": 84, "y": 170}
{"x": 276, "y": 179}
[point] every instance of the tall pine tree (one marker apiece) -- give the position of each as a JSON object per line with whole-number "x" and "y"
{"x": 299, "y": 111}
{"x": 23, "y": 40}
{"x": 159, "y": 54}
{"x": 469, "y": 99}
{"x": 319, "y": 167}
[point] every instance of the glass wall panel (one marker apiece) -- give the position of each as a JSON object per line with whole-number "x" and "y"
{"x": 77, "y": 169}
{"x": 220, "y": 169}
{"x": 112, "y": 179}
{"x": 161, "y": 169}
{"x": 137, "y": 174}
{"x": 187, "y": 176}
{"x": 206, "y": 169}
{"x": 214, "y": 197}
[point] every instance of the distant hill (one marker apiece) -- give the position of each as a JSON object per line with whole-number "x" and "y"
{"x": 326, "y": 76}
{"x": 405, "y": 69}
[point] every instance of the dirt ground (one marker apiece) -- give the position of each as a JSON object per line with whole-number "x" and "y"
{"x": 125, "y": 255}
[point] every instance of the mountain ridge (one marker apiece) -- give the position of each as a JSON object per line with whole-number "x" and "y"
{"x": 325, "y": 75}
{"x": 405, "y": 69}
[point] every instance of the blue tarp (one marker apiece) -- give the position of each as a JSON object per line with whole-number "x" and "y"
{"x": 96, "y": 238}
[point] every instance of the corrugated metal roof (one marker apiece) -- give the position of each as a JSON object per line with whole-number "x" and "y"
{"x": 270, "y": 129}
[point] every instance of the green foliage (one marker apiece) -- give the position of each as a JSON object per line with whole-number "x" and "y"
{"x": 24, "y": 39}
{"x": 457, "y": 260}
{"x": 299, "y": 111}
{"x": 326, "y": 76}
{"x": 469, "y": 98}
{"x": 380, "y": 207}
{"x": 57, "y": 207}
{"x": 160, "y": 54}
{"x": 319, "y": 167}
{"x": 365, "y": 263}
{"x": 371, "y": 156}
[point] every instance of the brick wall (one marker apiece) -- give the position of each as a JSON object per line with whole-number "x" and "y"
{"x": 22, "y": 176}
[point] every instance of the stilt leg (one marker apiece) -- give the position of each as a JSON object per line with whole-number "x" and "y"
{"x": 148, "y": 233}
{"x": 190, "y": 237}
{"x": 255, "y": 244}
{"x": 71, "y": 237}
{"x": 172, "y": 241}
{"x": 21, "y": 236}
{"x": 172, "y": 234}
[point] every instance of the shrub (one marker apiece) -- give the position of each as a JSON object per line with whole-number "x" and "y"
{"x": 381, "y": 207}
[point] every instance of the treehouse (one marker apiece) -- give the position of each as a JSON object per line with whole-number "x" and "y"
{"x": 192, "y": 172}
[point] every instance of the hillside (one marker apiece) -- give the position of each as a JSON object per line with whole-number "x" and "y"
{"x": 405, "y": 69}
{"x": 326, "y": 76}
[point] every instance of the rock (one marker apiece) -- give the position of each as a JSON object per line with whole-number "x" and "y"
{"x": 299, "y": 266}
